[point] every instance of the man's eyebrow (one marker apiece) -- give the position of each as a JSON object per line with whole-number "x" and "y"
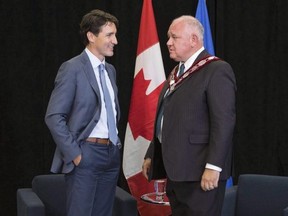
{"x": 173, "y": 35}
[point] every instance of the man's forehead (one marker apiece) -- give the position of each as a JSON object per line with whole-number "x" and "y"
{"x": 174, "y": 29}
{"x": 109, "y": 26}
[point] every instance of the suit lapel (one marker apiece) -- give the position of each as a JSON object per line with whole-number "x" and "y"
{"x": 202, "y": 55}
{"x": 111, "y": 77}
{"x": 88, "y": 70}
{"x": 113, "y": 83}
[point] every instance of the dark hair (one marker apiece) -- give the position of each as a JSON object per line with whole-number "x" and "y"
{"x": 93, "y": 22}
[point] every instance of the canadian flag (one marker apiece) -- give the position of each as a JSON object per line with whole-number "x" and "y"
{"x": 148, "y": 81}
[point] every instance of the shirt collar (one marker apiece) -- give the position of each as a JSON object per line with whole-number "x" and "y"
{"x": 93, "y": 59}
{"x": 191, "y": 60}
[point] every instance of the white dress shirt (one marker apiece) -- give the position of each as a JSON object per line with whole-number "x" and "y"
{"x": 101, "y": 128}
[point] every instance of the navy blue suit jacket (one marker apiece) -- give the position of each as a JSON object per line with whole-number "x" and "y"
{"x": 74, "y": 109}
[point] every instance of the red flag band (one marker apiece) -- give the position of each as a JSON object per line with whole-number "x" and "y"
{"x": 148, "y": 81}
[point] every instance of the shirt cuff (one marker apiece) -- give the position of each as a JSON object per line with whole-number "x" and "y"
{"x": 210, "y": 166}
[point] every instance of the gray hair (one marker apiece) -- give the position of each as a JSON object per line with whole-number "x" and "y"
{"x": 194, "y": 24}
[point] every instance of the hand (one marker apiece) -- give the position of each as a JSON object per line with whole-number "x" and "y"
{"x": 210, "y": 179}
{"x": 77, "y": 160}
{"x": 146, "y": 167}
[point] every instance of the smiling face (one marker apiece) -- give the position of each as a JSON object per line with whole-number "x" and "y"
{"x": 102, "y": 45}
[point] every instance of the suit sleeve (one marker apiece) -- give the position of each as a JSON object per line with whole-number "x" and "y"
{"x": 221, "y": 91}
{"x": 59, "y": 108}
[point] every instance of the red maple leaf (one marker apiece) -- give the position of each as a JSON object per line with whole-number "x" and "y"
{"x": 143, "y": 107}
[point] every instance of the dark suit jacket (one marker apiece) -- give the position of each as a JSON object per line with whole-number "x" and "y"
{"x": 74, "y": 108}
{"x": 198, "y": 125}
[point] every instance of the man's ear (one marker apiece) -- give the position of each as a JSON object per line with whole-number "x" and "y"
{"x": 90, "y": 36}
{"x": 194, "y": 40}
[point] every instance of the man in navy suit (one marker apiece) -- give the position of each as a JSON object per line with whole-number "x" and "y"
{"x": 77, "y": 116}
{"x": 192, "y": 144}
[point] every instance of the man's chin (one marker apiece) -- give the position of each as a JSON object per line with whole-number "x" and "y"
{"x": 109, "y": 54}
{"x": 173, "y": 57}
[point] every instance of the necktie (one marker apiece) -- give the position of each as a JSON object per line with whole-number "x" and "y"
{"x": 181, "y": 70}
{"x": 158, "y": 121}
{"x": 161, "y": 109}
{"x": 112, "y": 132}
